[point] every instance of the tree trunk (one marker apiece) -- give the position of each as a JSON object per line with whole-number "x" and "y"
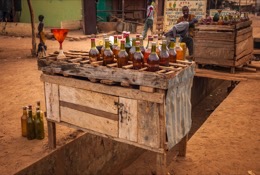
{"x": 33, "y": 51}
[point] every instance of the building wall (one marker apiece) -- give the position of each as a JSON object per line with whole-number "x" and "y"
{"x": 54, "y": 11}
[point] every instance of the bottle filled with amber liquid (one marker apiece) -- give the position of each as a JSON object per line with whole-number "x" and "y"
{"x": 178, "y": 49}
{"x": 108, "y": 54}
{"x": 115, "y": 46}
{"x": 164, "y": 55}
{"x": 127, "y": 42}
{"x": 38, "y": 124}
{"x": 24, "y": 122}
{"x": 153, "y": 59}
{"x": 132, "y": 50}
{"x": 122, "y": 57}
{"x": 156, "y": 40}
{"x": 30, "y": 124}
{"x": 104, "y": 46}
{"x": 138, "y": 58}
{"x": 172, "y": 51}
{"x": 94, "y": 54}
{"x": 148, "y": 49}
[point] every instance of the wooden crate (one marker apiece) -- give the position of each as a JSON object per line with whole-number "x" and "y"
{"x": 135, "y": 115}
{"x": 223, "y": 45}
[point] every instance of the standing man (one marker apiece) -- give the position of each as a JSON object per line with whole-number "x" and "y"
{"x": 192, "y": 20}
{"x": 149, "y": 19}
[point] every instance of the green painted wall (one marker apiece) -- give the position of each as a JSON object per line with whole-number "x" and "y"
{"x": 104, "y": 5}
{"x": 54, "y": 11}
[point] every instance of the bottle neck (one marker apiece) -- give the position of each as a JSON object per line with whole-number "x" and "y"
{"x": 115, "y": 41}
{"x": 24, "y": 112}
{"x": 171, "y": 45}
{"x": 30, "y": 113}
{"x": 153, "y": 48}
{"x": 122, "y": 47}
{"x": 93, "y": 44}
{"x": 137, "y": 48}
{"x": 107, "y": 46}
{"x": 164, "y": 46}
{"x": 127, "y": 39}
{"x": 38, "y": 113}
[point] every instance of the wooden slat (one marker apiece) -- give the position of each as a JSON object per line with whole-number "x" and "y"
{"x": 243, "y": 24}
{"x": 148, "y": 124}
{"x": 90, "y": 99}
{"x": 100, "y": 88}
{"x": 128, "y": 119}
{"x": 214, "y": 35}
{"x": 214, "y": 44}
{"x": 147, "y": 89}
{"x": 244, "y": 60}
{"x": 51, "y": 134}
{"x": 89, "y": 110}
{"x": 89, "y": 121}
{"x": 216, "y": 27}
{"x": 218, "y": 61}
{"x": 243, "y": 37}
{"x": 52, "y": 101}
{"x": 247, "y": 44}
{"x": 243, "y": 31}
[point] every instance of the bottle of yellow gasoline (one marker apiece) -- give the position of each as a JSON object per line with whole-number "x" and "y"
{"x": 30, "y": 124}
{"x": 179, "y": 50}
{"x": 127, "y": 42}
{"x": 108, "y": 54}
{"x": 132, "y": 50}
{"x": 93, "y": 52}
{"x": 115, "y": 47}
{"x": 137, "y": 37}
{"x": 148, "y": 49}
{"x": 122, "y": 57}
{"x": 153, "y": 59}
{"x": 138, "y": 58}
{"x": 24, "y": 122}
{"x": 155, "y": 39}
{"x": 172, "y": 52}
{"x": 39, "y": 126}
{"x": 164, "y": 55}
{"x": 104, "y": 46}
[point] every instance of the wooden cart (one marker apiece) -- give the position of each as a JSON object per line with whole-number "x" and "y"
{"x": 224, "y": 45}
{"x": 118, "y": 103}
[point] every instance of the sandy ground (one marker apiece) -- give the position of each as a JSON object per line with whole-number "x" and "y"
{"x": 20, "y": 85}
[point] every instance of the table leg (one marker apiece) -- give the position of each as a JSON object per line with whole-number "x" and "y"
{"x": 161, "y": 164}
{"x": 183, "y": 146}
{"x": 51, "y": 134}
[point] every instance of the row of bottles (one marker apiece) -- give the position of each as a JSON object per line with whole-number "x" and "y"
{"x": 32, "y": 125}
{"x": 123, "y": 51}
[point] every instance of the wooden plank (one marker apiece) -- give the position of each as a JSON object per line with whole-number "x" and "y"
{"x": 243, "y": 31}
{"x": 214, "y": 35}
{"x": 244, "y": 60}
{"x": 147, "y": 89}
{"x": 90, "y": 99}
{"x": 256, "y": 52}
{"x": 52, "y": 101}
{"x": 51, "y": 134}
{"x": 243, "y": 24}
{"x": 90, "y": 110}
{"x": 128, "y": 119}
{"x": 161, "y": 164}
{"x": 243, "y": 37}
{"x": 148, "y": 123}
{"x": 216, "y": 27}
{"x": 244, "y": 45}
{"x": 214, "y": 44}
{"x": 183, "y": 146}
{"x": 89, "y": 121}
{"x": 162, "y": 123}
{"x": 100, "y": 88}
{"x": 157, "y": 150}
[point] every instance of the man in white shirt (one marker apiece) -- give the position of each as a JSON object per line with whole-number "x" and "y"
{"x": 149, "y": 19}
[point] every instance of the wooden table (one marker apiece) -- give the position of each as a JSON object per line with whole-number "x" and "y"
{"x": 125, "y": 105}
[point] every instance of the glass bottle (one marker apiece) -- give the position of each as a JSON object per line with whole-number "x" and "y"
{"x": 155, "y": 39}
{"x": 115, "y": 47}
{"x": 127, "y": 42}
{"x": 148, "y": 49}
{"x": 142, "y": 45}
{"x": 104, "y": 46}
{"x": 24, "y": 122}
{"x": 93, "y": 52}
{"x": 39, "y": 105}
{"x": 172, "y": 52}
{"x": 39, "y": 127}
{"x": 178, "y": 49}
{"x": 184, "y": 48}
{"x": 108, "y": 54}
{"x": 153, "y": 59}
{"x": 122, "y": 57}
{"x": 137, "y": 37}
{"x": 30, "y": 124}
{"x": 164, "y": 55}
{"x": 132, "y": 50}
{"x": 138, "y": 58}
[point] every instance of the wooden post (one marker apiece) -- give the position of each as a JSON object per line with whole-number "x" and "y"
{"x": 161, "y": 164}
{"x": 182, "y": 146}
{"x": 51, "y": 134}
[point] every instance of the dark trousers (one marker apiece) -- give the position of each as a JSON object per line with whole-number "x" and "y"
{"x": 189, "y": 43}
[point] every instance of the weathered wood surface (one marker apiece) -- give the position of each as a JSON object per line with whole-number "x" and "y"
{"x": 51, "y": 134}
{"x": 52, "y": 101}
{"x": 90, "y": 99}
{"x": 243, "y": 24}
{"x": 148, "y": 124}
{"x": 214, "y": 35}
{"x": 245, "y": 46}
{"x": 128, "y": 119}
{"x": 89, "y": 121}
{"x": 100, "y": 88}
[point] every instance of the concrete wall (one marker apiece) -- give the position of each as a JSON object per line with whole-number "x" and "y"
{"x": 91, "y": 154}
{"x": 16, "y": 29}
{"x": 54, "y": 11}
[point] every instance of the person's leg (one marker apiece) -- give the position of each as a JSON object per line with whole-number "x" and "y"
{"x": 189, "y": 43}
{"x": 150, "y": 24}
{"x": 145, "y": 29}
